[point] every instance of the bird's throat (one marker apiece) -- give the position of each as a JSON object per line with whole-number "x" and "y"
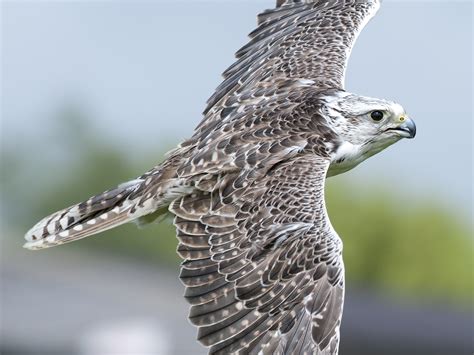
{"x": 346, "y": 157}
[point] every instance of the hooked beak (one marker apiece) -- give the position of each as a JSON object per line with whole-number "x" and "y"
{"x": 407, "y": 129}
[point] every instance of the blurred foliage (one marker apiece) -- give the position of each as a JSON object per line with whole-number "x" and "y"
{"x": 418, "y": 250}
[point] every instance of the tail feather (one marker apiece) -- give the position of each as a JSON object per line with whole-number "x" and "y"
{"x": 99, "y": 213}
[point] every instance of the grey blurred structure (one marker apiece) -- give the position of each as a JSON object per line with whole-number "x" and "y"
{"x": 62, "y": 302}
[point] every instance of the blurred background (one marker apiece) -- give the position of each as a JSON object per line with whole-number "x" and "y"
{"x": 94, "y": 92}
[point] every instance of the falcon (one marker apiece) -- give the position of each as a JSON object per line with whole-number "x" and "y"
{"x": 262, "y": 267}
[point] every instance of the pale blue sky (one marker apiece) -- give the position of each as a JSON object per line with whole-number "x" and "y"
{"x": 144, "y": 69}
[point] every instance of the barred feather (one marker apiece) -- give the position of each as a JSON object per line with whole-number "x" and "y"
{"x": 99, "y": 213}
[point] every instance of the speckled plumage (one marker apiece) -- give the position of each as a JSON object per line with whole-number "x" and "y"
{"x": 262, "y": 264}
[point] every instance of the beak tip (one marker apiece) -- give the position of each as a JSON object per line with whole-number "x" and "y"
{"x": 410, "y": 127}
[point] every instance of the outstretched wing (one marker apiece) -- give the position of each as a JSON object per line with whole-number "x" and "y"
{"x": 263, "y": 269}
{"x": 309, "y": 40}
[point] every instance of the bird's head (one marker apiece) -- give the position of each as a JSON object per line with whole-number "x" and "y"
{"x": 365, "y": 126}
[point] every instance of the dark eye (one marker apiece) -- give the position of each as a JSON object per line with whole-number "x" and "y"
{"x": 377, "y": 115}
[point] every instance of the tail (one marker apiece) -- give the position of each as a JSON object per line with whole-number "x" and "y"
{"x": 99, "y": 213}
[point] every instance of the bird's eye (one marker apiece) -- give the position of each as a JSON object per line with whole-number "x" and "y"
{"x": 377, "y": 115}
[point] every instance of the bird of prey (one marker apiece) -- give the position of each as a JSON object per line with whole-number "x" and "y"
{"x": 262, "y": 263}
